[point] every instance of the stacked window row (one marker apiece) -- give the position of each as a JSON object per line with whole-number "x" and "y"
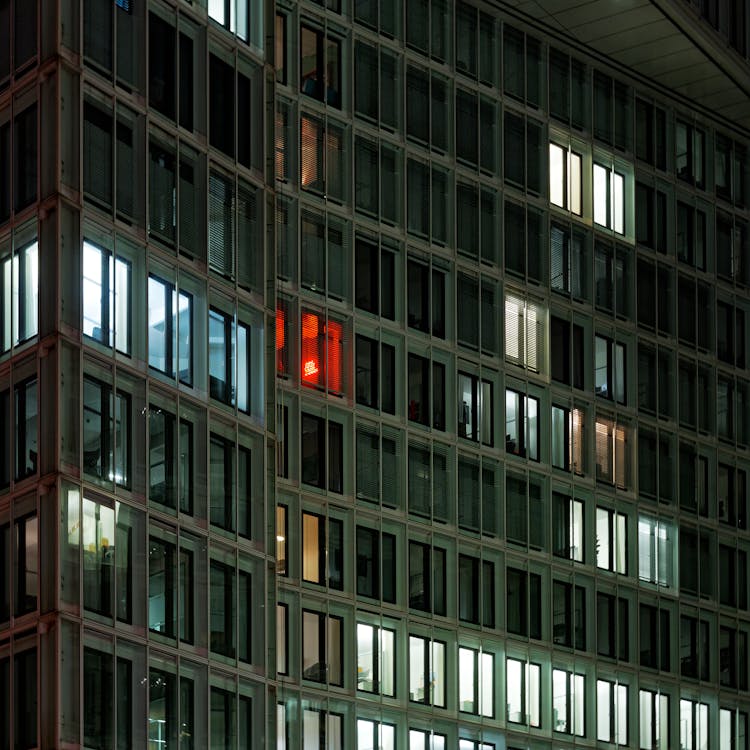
{"x": 476, "y": 678}
{"x": 654, "y": 549}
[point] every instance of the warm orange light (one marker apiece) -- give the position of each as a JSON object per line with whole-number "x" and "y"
{"x": 311, "y": 354}
{"x": 280, "y": 340}
{"x": 334, "y": 346}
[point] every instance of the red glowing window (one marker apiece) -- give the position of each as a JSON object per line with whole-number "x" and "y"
{"x": 282, "y": 354}
{"x": 322, "y": 349}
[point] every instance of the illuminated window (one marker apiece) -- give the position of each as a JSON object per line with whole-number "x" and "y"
{"x": 521, "y": 424}
{"x": 106, "y": 297}
{"x": 321, "y": 157}
{"x": 653, "y": 720}
{"x": 524, "y": 692}
{"x": 106, "y": 432}
{"x": 525, "y": 333}
{"x": 376, "y": 659}
{"x": 693, "y": 725}
{"x": 322, "y": 550}
{"x": 567, "y": 527}
{"x": 565, "y": 178}
{"x": 423, "y": 740}
{"x": 19, "y": 295}
{"x": 373, "y": 735}
{"x": 609, "y": 198}
{"x": 170, "y": 322}
{"x": 476, "y": 685}
{"x": 612, "y": 452}
{"x": 567, "y": 439}
{"x": 655, "y": 551}
{"x": 568, "y": 702}
{"x": 426, "y": 671}
{"x": 322, "y": 352}
{"x": 733, "y": 729}
{"x": 611, "y": 712}
{"x": 611, "y": 540}
{"x": 475, "y": 409}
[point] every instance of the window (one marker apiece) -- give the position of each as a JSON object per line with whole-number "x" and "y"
{"x": 322, "y": 154}
{"x": 567, "y": 527}
{"x": 241, "y": 17}
{"x": 609, "y": 198}
{"x": 426, "y": 671}
{"x": 222, "y": 608}
{"x": 322, "y": 648}
{"x": 375, "y": 279}
{"x": 695, "y": 655}
{"x": 322, "y": 553}
{"x": 612, "y": 452}
{"x": 373, "y": 734}
{"x": 733, "y": 728}
{"x": 367, "y": 75}
{"x": 233, "y": 354}
{"x": 611, "y": 712}
{"x": 523, "y": 152}
{"x": 611, "y": 540}
{"x": 612, "y": 626}
{"x": 162, "y": 589}
{"x": 419, "y": 395}
{"x": 523, "y": 692}
{"x": 655, "y": 551}
{"x": 170, "y": 326}
{"x": 376, "y": 564}
{"x": 322, "y": 350}
{"x": 162, "y": 709}
{"x": 109, "y": 557}
{"x": 609, "y": 369}
{"x": 20, "y": 295}
{"x": 476, "y": 683}
{"x": 569, "y": 615}
{"x": 565, "y": 178}
{"x": 521, "y": 424}
{"x": 651, "y": 133}
{"x": 6, "y": 556}
{"x": 690, "y": 150}
{"x": 170, "y": 459}
{"x": 476, "y": 590}
{"x": 693, "y": 725}
{"x": 376, "y": 659}
{"x": 106, "y": 297}
{"x": 568, "y": 263}
{"x": 427, "y": 571}
{"x": 423, "y": 740}
{"x": 568, "y": 450}
{"x": 229, "y": 487}
{"x": 106, "y": 432}
{"x": 26, "y": 410}
{"x": 26, "y": 564}
{"x": 321, "y": 730}
{"x": 525, "y": 333}
{"x": 524, "y": 603}
{"x": 655, "y": 637}
{"x": 568, "y": 702}
{"x": 315, "y": 470}
{"x": 475, "y": 409}
{"x": 653, "y": 717}
{"x": 320, "y": 66}
{"x": 375, "y": 375}
{"x": 98, "y": 698}
{"x": 426, "y": 300}
{"x": 24, "y": 158}
{"x": 526, "y": 511}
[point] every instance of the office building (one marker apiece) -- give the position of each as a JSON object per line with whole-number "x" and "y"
{"x": 374, "y": 374}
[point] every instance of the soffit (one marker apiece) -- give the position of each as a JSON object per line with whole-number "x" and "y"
{"x": 663, "y": 40}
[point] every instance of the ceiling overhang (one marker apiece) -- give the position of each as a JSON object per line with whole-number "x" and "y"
{"x": 662, "y": 40}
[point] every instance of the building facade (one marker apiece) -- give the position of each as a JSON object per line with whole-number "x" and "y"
{"x": 374, "y": 374}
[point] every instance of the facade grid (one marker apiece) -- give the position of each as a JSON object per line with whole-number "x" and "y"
{"x": 374, "y": 375}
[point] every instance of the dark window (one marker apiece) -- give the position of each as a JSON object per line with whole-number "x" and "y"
{"x": 221, "y": 105}
{"x": 427, "y": 570}
{"x": 97, "y": 154}
{"x": 376, "y": 564}
{"x": 314, "y": 453}
{"x": 26, "y": 564}
{"x": 98, "y": 699}
{"x": 524, "y": 603}
{"x": 222, "y": 609}
{"x": 161, "y": 65}
{"x": 320, "y": 66}
{"x": 24, "y": 156}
